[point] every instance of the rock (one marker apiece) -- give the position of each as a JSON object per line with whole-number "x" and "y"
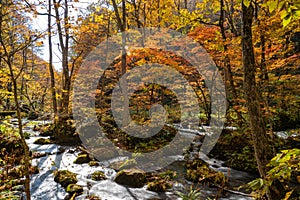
{"x": 93, "y": 163}
{"x": 74, "y": 188}
{"x": 160, "y": 185}
{"x": 198, "y": 171}
{"x": 43, "y": 141}
{"x": 131, "y": 177}
{"x": 98, "y": 176}
{"x": 38, "y": 154}
{"x": 82, "y": 159}
{"x": 65, "y": 177}
{"x": 34, "y": 170}
{"x": 32, "y": 115}
{"x": 103, "y": 153}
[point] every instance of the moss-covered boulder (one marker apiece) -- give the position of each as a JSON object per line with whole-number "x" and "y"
{"x": 65, "y": 177}
{"x": 98, "y": 176}
{"x": 103, "y": 153}
{"x": 74, "y": 188}
{"x": 43, "y": 141}
{"x": 131, "y": 177}
{"x": 160, "y": 185}
{"x": 93, "y": 163}
{"x": 84, "y": 158}
{"x": 64, "y": 132}
{"x": 198, "y": 171}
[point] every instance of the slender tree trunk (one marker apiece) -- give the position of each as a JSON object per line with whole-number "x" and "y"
{"x": 257, "y": 125}
{"x": 227, "y": 67}
{"x": 51, "y": 70}
{"x": 25, "y": 147}
{"x": 122, "y": 27}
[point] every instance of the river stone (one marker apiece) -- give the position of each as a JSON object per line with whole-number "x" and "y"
{"x": 93, "y": 164}
{"x": 74, "y": 188}
{"x": 84, "y": 158}
{"x": 159, "y": 185}
{"x": 98, "y": 176}
{"x": 131, "y": 177}
{"x": 65, "y": 177}
{"x": 43, "y": 141}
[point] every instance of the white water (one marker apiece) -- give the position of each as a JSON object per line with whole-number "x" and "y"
{"x": 43, "y": 186}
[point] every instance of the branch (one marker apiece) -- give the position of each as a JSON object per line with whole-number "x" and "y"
{"x": 34, "y": 10}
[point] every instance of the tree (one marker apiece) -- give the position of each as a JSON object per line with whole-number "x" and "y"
{"x": 259, "y": 137}
{"x": 14, "y": 38}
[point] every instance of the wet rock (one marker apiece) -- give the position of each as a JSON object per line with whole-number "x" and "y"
{"x": 65, "y": 177}
{"x": 159, "y": 185}
{"x": 131, "y": 177}
{"x": 98, "y": 176}
{"x": 34, "y": 170}
{"x": 74, "y": 188}
{"x": 93, "y": 163}
{"x": 199, "y": 171}
{"x": 104, "y": 153}
{"x": 38, "y": 154}
{"x": 43, "y": 141}
{"x": 82, "y": 159}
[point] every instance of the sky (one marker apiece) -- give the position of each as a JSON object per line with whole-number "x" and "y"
{"x": 40, "y": 23}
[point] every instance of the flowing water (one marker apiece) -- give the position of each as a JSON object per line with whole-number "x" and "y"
{"x": 56, "y": 157}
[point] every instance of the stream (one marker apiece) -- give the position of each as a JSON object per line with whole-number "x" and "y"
{"x": 55, "y": 157}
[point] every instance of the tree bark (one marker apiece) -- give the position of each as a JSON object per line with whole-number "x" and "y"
{"x": 20, "y": 126}
{"x": 51, "y": 71}
{"x": 257, "y": 125}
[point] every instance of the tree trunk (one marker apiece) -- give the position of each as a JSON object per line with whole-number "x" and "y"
{"x": 52, "y": 77}
{"x": 257, "y": 125}
{"x": 25, "y": 147}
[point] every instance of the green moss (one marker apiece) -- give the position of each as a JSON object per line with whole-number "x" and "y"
{"x": 131, "y": 177}
{"x": 199, "y": 171}
{"x": 160, "y": 185}
{"x": 98, "y": 176}
{"x": 84, "y": 158}
{"x": 74, "y": 188}
{"x": 43, "y": 141}
{"x": 93, "y": 163}
{"x": 65, "y": 177}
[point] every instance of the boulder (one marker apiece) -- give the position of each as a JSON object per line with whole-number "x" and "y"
{"x": 131, "y": 177}
{"x": 98, "y": 176}
{"x": 84, "y": 158}
{"x": 93, "y": 164}
{"x": 74, "y": 188}
{"x": 159, "y": 185}
{"x": 65, "y": 177}
{"x": 43, "y": 141}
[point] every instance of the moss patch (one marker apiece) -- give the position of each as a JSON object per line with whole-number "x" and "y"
{"x": 65, "y": 177}
{"x": 74, "y": 188}
{"x": 131, "y": 177}
{"x": 98, "y": 176}
{"x": 84, "y": 158}
{"x": 198, "y": 171}
{"x": 43, "y": 141}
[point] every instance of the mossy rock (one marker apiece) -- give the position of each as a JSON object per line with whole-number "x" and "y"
{"x": 98, "y": 176}
{"x": 131, "y": 177}
{"x": 43, "y": 141}
{"x": 65, "y": 132}
{"x": 65, "y": 177}
{"x": 160, "y": 185}
{"x": 103, "y": 153}
{"x": 74, "y": 188}
{"x": 93, "y": 163}
{"x": 93, "y": 197}
{"x": 84, "y": 158}
{"x": 198, "y": 171}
